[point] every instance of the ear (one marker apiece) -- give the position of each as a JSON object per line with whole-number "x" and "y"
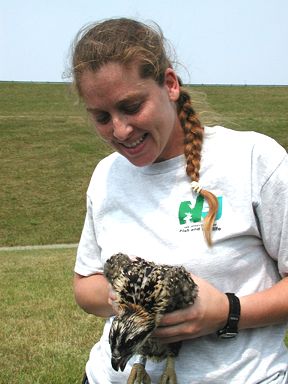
{"x": 172, "y": 84}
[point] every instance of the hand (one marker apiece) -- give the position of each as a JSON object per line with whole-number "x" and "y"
{"x": 112, "y": 299}
{"x": 208, "y": 314}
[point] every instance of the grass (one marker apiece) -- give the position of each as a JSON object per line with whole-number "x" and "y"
{"x": 45, "y": 337}
{"x": 49, "y": 151}
{"x": 262, "y": 109}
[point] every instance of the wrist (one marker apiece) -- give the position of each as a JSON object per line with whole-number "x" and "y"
{"x": 230, "y": 329}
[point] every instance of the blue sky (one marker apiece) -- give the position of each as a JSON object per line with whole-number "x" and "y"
{"x": 216, "y": 41}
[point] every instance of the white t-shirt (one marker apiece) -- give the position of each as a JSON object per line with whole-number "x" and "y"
{"x": 152, "y": 212}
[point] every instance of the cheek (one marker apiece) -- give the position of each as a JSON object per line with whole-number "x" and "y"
{"x": 150, "y": 119}
{"x": 103, "y": 131}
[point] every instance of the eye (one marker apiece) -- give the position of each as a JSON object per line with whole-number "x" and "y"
{"x": 101, "y": 118}
{"x": 129, "y": 343}
{"x": 130, "y": 109}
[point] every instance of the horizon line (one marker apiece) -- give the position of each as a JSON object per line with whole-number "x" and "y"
{"x": 188, "y": 84}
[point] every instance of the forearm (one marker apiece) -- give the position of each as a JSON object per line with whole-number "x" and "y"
{"x": 264, "y": 308}
{"x": 91, "y": 294}
{"x": 209, "y": 313}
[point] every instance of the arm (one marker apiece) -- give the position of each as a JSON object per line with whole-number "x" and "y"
{"x": 92, "y": 293}
{"x": 210, "y": 312}
{"x": 264, "y": 308}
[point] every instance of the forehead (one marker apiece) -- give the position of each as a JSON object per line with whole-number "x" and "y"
{"x": 113, "y": 80}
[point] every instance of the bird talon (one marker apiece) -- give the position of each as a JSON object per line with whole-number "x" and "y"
{"x": 169, "y": 375}
{"x": 138, "y": 375}
{"x": 168, "y": 379}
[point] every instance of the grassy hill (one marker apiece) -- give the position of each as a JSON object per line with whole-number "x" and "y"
{"x": 49, "y": 150}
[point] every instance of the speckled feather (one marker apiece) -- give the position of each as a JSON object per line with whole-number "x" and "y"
{"x": 145, "y": 291}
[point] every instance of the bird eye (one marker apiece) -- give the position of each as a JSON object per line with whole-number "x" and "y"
{"x": 130, "y": 343}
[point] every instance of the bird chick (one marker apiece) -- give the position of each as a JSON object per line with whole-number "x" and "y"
{"x": 145, "y": 291}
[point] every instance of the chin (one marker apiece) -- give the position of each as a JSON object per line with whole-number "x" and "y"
{"x": 142, "y": 158}
{"x": 141, "y": 161}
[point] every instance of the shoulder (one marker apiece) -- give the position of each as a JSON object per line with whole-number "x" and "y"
{"x": 244, "y": 141}
{"x": 109, "y": 176}
{"x": 266, "y": 154}
{"x": 250, "y": 137}
{"x": 245, "y": 152}
{"x": 263, "y": 155}
{"x": 110, "y": 166}
{"x": 107, "y": 162}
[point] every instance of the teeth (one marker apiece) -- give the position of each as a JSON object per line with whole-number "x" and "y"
{"x": 133, "y": 145}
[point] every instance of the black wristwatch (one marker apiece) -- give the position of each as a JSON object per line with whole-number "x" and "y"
{"x": 231, "y": 328}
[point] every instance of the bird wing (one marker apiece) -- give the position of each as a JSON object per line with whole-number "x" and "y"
{"x": 156, "y": 288}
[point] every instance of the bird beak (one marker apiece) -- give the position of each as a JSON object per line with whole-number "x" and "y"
{"x": 119, "y": 362}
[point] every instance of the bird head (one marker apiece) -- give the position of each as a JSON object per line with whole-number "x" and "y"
{"x": 129, "y": 330}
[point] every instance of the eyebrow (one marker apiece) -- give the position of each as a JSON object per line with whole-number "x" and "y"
{"x": 127, "y": 99}
{"x": 132, "y": 97}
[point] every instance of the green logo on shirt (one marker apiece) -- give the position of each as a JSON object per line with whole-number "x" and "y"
{"x": 189, "y": 214}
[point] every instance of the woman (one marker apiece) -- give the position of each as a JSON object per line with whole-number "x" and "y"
{"x": 140, "y": 202}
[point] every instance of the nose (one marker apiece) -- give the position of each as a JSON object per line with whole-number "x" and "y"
{"x": 121, "y": 128}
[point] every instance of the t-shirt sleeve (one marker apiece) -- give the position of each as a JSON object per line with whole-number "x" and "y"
{"x": 88, "y": 254}
{"x": 272, "y": 203}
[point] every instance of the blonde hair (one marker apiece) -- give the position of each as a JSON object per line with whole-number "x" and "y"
{"x": 124, "y": 41}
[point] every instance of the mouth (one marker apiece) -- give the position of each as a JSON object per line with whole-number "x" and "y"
{"x": 135, "y": 143}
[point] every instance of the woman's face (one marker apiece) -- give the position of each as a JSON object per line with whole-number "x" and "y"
{"x": 135, "y": 116}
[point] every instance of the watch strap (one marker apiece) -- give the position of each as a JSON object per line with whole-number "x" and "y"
{"x": 231, "y": 328}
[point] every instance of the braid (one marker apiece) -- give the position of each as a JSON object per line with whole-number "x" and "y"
{"x": 193, "y": 139}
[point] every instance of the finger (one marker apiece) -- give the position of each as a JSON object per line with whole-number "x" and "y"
{"x": 111, "y": 293}
{"x": 171, "y": 340}
{"x": 111, "y": 302}
{"x": 170, "y": 331}
{"x": 112, "y": 299}
{"x": 177, "y": 317}
{"x": 167, "y": 335}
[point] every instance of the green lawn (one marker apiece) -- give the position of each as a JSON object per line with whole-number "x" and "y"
{"x": 45, "y": 337}
{"x": 261, "y": 109}
{"x": 48, "y": 151}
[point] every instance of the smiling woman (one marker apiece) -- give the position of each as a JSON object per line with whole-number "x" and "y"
{"x": 135, "y": 116}
{"x": 125, "y": 56}
{"x": 146, "y": 200}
